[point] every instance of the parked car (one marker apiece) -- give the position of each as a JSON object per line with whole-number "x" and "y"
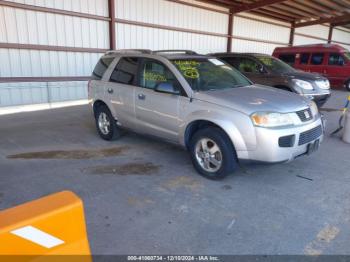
{"x": 203, "y": 104}
{"x": 330, "y": 60}
{"x": 267, "y": 70}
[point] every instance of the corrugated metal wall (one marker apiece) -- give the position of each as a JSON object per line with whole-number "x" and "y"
{"x": 165, "y": 13}
{"x": 262, "y": 36}
{"x": 131, "y": 36}
{"x": 153, "y": 24}
{"x": 38, "y": 28}
{"x": 311, "y": 35}
{"x": 342, "y": 35}
{"x": 95, "y": 7}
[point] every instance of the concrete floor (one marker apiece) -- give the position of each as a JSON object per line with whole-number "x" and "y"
{"x": 143, "y": 196}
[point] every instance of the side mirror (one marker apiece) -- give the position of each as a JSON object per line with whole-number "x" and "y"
{"x": 168, "y": 88}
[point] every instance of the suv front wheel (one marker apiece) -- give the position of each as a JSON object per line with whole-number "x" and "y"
{"x": 106, "y": 124}
{"x": 212, "y": 153}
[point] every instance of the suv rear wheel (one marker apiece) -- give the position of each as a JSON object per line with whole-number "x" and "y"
{"x": 106, "y": 124}
{"x": 212, "y": 153}
{"x": 347, "y": 85}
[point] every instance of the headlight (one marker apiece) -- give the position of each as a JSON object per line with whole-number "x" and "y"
{"x": 314, "y": 108}
{"x": 303, "y": 84}
{"x": 323, "y": 84}
{"x": 269, "y": 119}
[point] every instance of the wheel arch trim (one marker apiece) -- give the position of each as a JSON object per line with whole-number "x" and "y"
{"x": 227, "y": 126}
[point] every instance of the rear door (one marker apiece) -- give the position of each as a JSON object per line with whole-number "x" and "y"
{"x": 317, "y": 63}
{"x": 120, "y": 91}
{"x": 157, "y": 113}
{"x": 303, "y": 63}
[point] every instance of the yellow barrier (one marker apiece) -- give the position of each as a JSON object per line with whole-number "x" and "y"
{"x": 53, "y": 225}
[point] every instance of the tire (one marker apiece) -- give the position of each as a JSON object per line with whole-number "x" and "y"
{"x": 347, "y": 85}
{"x": 106, "y": 125}
{"x": 209, "y": 137}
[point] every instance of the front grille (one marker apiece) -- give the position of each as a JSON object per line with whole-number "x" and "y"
{"x": 310, "y": 135}
{"x": 286, "y": 141}
{"x": 305, "y": 115}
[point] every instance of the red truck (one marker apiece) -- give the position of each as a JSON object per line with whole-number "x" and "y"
{"x": 330, "y": 60}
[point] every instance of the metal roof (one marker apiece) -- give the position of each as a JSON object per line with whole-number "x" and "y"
{"x": 299, "y": 12}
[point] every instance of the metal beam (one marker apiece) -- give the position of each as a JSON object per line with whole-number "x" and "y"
{"x": 255, "y": 5}
{"x": 223, "y": 3}
{"x": 334, "y": 19}
{"x": 230, "y": 31}
{"x": 341, "y": 23}
{"x": 292, "y": 31}
{"x": 182, "y": 2}
{"x": 51, "y": 10}
{"x": 330, "y": 34}
{"x": 112, "y": 37}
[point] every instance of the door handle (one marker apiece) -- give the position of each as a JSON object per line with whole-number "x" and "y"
{"x": 141, "y": 97}
{"x": 110, "y": 90}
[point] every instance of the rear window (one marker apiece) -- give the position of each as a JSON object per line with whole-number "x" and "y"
{"x": 233, "y": 61}
{"x": 125, "y": 71}
{"x": 317, "y": 59}
{"x": 304, "y": 58}
{"x": 101, "y": 67}
{"x": 287, "y": 58}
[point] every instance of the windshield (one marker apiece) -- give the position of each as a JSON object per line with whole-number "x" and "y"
{"x": 275, "y": 65}
{"x": 206, "y": 74}
{"x": 347, "y": 55}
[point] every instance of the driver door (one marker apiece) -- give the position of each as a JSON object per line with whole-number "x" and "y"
{"x": 157, "y": 113}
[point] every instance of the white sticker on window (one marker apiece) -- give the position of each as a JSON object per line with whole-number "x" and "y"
{"x": 216, "y": 62}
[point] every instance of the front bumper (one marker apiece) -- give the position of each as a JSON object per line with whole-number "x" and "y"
{"x": 268, "y": 147}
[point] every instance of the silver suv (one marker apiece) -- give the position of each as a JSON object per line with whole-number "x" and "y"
{"x": 203, "y": 104}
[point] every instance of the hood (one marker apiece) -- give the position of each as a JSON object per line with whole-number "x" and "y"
{"x": 255, "y": 98}
{"x": 304, "y": 76}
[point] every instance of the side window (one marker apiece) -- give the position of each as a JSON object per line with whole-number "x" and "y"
{"x": 336, "y": 59}
{"x": 154, "y": 72}
{"x": 126, "y": 70}
{"x": 317, "y": 59}
{"x": 304, "y": 58}
{"x": 248, "y": 66}
{"x": 101, "y": 67}
{"x": 288, "y": 58}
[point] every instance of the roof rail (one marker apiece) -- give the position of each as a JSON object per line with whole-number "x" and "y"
{"x": 187, "y": 52}
{"x": 123, "y": 51}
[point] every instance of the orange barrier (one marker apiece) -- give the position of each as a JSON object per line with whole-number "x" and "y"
{"x": 53, "y": 225}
